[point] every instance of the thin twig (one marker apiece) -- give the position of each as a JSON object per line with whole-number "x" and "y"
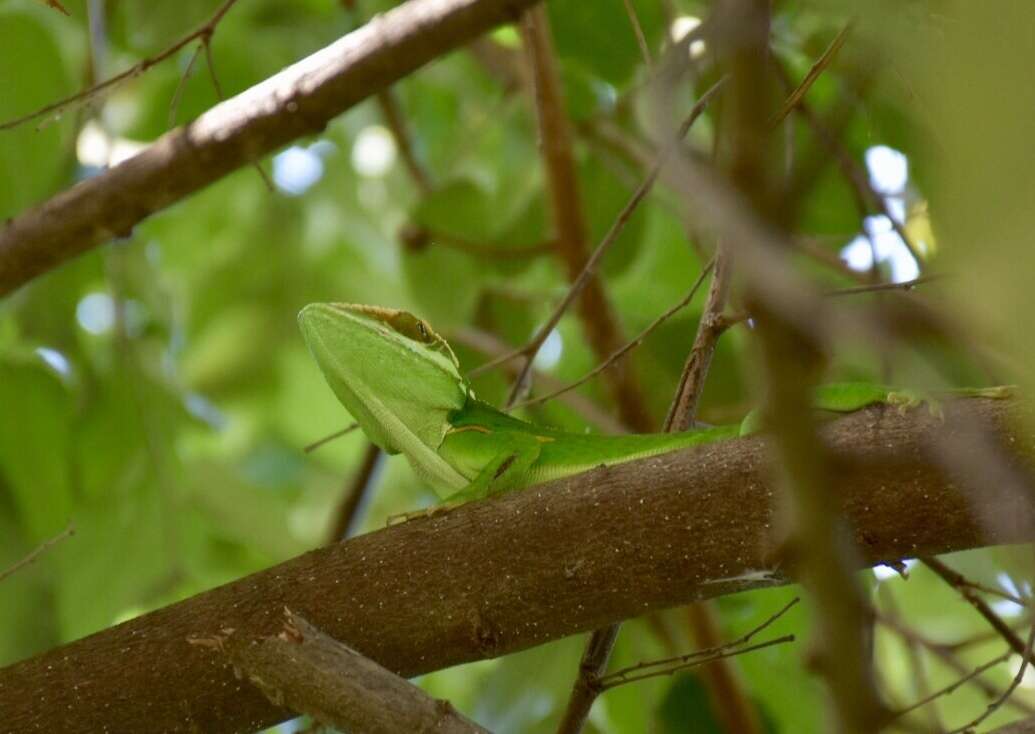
{"x": 204, "y": 32}
{"x": 699, "y": 657}
{"x": 814, "y": 73}
{"x": 586, "y": 688}
{"x": 337, "y": 434}
{"x": 530, "y": 349}
{"x": 174, "y": 106}
{"x": 816, "y": 251}
{"x": 683, "y": 411}
{"x": 983, "y": 638}
{"x": 56, "y": 4}
{"x": 393, "y": 117}
{"x": 490, "y": 345}
{"x": 742, "y": 640}
{"x": 38, "y": 551}
{"x": 853, "y": 172}
{"x": 638, "y": 30}
{"x": 951, "y": 688}
{"x": 627, "y": 347}
{"x": 1001, "y": 593}
{"x": 212, "y": 67}
{"x": 946, "y": 653}
{"x": 960, "y": 583}
{"x": 906, "y": 285}
{"x": 914, "y": 651}
{"x": 613, "y": 681}
{"x": 994, "y": 705}
{"x": 206, "y": 42}
{"x": 354, "y": 498}
{"x": 595, "y": 311}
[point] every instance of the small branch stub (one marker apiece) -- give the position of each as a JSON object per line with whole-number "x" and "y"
{"x": 309, "y": 672}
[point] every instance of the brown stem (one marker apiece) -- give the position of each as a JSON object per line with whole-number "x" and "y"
{"x": 683, "y": 413}
{"x": 529, "y": 350}
{"x": 587, "y": 687}
{"x": 596, "y": 313}
{"x": 906, "y": 285}
{"x": 959, "y": 582}
{"x": 1017, "y": 678}
{"x": 359, "y": 488}
{"x": 853, "y": 172}
{"x": 330, "y": 437}
{"x": 952, "y": 687}
{"x": 819, "y": 546}
{"x": 641, "y": 40}
{"x": 37, "y": 552}
{"x": 174, "y": 105}
{"x": 945, "y": 653}
{"x": 393, "y": 117}
{"x": 817, "y": 69}
{"x": 620, "y": 679}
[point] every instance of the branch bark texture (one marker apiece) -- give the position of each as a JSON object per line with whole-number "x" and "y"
{"x": 298, "y": 101}
{"x": 528, "y": 567}
{"x": 314, "y": 674}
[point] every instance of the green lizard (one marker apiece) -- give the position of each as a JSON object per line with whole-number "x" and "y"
{"x": 402, "y": 384}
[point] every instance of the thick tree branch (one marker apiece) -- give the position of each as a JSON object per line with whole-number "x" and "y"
{"x": 519, "y": 570}
{"x": 298, "y": 101}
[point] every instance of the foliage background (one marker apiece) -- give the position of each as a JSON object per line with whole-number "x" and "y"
{"x": 156, "y": 393}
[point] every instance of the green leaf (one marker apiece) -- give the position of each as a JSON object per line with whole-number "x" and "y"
{"x": 35, "y": 414}
{"x": 600, "y": 36}
{"x": 687, "y": 703}
{"x": 32, "y": 161}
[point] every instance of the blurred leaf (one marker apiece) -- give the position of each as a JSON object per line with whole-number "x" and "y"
{"x": 599, "y": 35}
{"x": 32, "y": 67}
{"x": 229, "y": 351}
{"x": 35, "y": 415}
{"x": 687, "y": 701}
{"x": 604, "y": 197}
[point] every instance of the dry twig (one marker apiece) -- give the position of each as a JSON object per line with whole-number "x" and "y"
{"x": 959, "y": 582}
{"x": 37, "y": 552}
{"x": 596, "y": 314}
{"x": 624, "y": 349}
{"x": 203, "y": 32}
{"x": 530, "y": 349}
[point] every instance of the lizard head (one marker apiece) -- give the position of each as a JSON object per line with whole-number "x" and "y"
{"x": 396, "y": 376}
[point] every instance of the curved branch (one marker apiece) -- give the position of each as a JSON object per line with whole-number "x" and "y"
{"x": 298, "y": 101}
{"x": 576, "y": 554}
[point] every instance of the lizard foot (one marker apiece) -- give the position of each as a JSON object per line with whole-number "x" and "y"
{"x": 906, "y": 400}
{"x": 402, "y": 517}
